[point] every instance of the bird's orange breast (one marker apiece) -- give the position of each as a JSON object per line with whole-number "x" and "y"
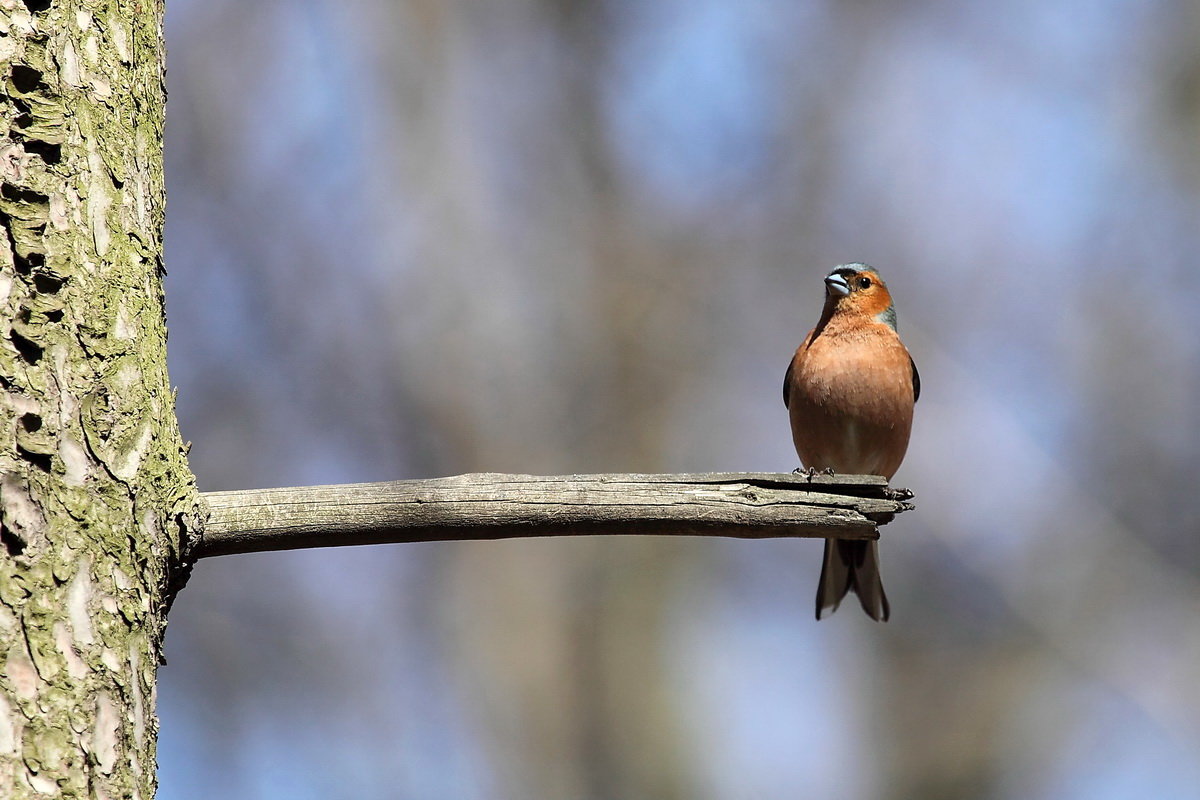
{"x": 850, "y": 396}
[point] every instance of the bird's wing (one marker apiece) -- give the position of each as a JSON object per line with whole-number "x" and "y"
{"x": 916, "y": 382}
{"x": 787, "y": 382}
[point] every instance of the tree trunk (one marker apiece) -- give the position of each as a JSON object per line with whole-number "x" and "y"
{"x": 96, "y": 499}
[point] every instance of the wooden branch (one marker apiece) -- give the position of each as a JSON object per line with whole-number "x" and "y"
{"x": 498, "y": 506}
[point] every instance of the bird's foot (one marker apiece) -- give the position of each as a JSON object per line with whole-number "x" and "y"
{"x": 808, "y": 473}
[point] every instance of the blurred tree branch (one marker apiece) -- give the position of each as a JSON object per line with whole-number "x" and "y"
{"x": 500, "y": 506}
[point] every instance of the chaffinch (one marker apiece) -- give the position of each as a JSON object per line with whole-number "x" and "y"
{"x": 850, "y": 391}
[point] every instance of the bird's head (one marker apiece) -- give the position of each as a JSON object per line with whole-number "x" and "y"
{"x": 857, "y": 289}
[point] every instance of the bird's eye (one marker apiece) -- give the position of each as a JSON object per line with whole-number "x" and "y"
{"x": 864, "y": 282}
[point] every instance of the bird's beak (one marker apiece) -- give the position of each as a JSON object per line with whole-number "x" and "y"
{"x": 835, "y": 284}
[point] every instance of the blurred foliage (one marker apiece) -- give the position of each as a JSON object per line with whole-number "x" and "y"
{"x": 429, "y": 237}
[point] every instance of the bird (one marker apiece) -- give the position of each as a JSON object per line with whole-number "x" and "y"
{"x": 850, "y": 391}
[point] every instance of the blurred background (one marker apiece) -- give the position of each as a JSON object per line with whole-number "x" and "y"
{"x": 414, "y": 238}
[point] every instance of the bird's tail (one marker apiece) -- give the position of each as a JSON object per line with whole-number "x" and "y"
{"x": 852, "y": 566}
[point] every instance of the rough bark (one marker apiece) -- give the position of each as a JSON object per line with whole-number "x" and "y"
{"x": 96, "y": 500}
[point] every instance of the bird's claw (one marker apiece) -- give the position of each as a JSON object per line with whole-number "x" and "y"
{"x": 812, "y": 472}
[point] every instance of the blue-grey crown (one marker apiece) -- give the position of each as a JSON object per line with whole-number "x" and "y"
{"x": 846, "y": 270}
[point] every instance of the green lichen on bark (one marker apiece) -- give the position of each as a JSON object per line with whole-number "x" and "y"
{"x": 96, "y": 500}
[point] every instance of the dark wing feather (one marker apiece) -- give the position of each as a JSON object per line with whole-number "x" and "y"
{"x": 916, "y": 381}
{"x": 787, "y": 383}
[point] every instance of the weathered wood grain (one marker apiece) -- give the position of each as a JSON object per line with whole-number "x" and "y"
{"x": 499, "y": 506}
